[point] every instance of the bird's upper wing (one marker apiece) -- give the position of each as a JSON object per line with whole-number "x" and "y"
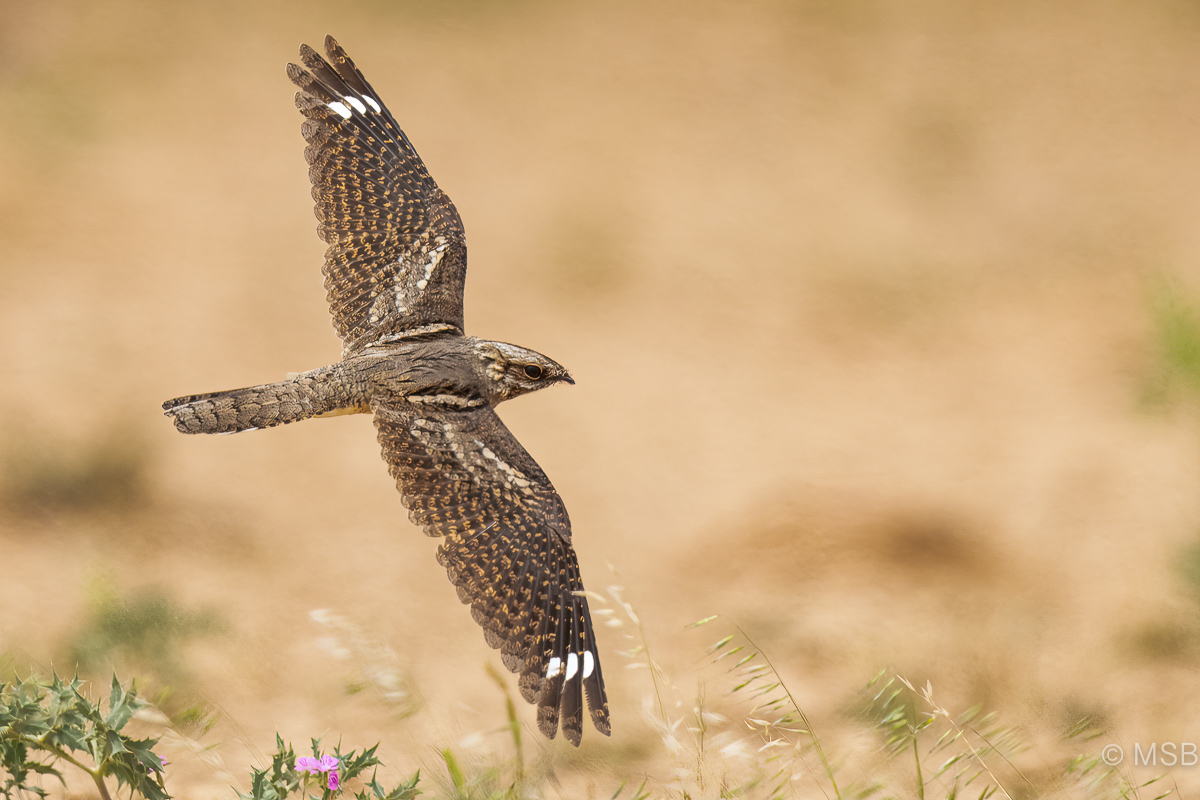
{"x": 507, "y": 547}
{"x": 397, "y": 253}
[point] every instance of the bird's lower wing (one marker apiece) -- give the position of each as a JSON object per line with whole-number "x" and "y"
{"x": 507, "y": 548}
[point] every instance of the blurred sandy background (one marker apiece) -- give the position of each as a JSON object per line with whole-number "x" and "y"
{"x": 858, "y": 296}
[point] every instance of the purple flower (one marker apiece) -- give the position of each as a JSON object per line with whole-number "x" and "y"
{"x": 164, "y": 764}
{"x": 315, "y": 766}
{"x": 308, "y": 764}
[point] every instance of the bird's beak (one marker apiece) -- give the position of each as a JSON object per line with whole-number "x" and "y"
{"x": 566, "y": 376}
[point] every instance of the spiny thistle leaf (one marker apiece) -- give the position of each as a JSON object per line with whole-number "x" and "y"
{"x": 43, "y": 723}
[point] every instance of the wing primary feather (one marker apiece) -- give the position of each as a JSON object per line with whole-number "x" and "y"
{"x": 373, "y": 140}
{"x": 307, "y": 82}
{"x": 338, "y": 90}
{"x": 541, "y": 647}
{"x": 533, "y": 657}
{"x": 571, "y": 702}
{"x": 518, "y": 617}
{"x": 593, "y": 680}
{"x": 515, "y": 595}
{"x": 344, "y": 65}
{"x": 354, "y": 78}
{"x": 502, "y": 585}
{"x": 548, "y": 703}
{"x": 322, "y": 84}
{"x": 322, "y": 73}
{"x": 366, "y": 134}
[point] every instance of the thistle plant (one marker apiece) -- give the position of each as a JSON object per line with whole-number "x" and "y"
{"x": 330, "y": 774}
{"x": 44, "y": 725}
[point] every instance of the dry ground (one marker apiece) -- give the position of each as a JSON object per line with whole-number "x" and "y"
{"x": 857, "y": 295}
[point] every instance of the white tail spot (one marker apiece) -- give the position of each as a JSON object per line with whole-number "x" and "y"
{"x": 572, "y": 665}
{"x": 554, "y": 667}
{"x": 341, "y": 109}
{"x": 371, "y": 102}
{"x": 589, "y": 664}
{"x": 358, "y": 105}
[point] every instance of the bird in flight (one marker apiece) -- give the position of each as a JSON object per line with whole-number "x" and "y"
{"x": 394, "y": 270}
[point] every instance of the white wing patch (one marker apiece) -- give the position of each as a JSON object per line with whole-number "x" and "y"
{"x": 359, "y": 105}
{"x": 421, "y": 260}
{"x": 515, "y": 477}
{"x": 435, "y": 258}
{"x": 554, "y": 667}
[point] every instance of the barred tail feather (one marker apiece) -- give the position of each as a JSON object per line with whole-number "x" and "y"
{"x": 308, "y": 394}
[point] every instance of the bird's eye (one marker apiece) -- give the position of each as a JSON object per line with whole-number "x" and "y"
{"x": 533, "y": 371}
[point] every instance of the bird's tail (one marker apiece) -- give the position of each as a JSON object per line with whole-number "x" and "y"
{"x": 308, "y": 394}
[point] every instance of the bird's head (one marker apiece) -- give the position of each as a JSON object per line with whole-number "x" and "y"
{"x": 510, "y": 371}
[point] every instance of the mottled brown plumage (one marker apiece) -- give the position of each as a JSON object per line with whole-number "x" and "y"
{"x": 394, "y": 271}
{"x": 380, "y": 212}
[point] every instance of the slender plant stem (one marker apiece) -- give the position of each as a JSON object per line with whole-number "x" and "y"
{"x": 1006, "y": 760}
{"x": 662, "y": 709}
{"x": 803, "y": 717}
{"x": 100, "y": 786}
{"x": 58, "y": 752}
{"x": 977, "y": 755}
{"x": 917, "y": 758}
